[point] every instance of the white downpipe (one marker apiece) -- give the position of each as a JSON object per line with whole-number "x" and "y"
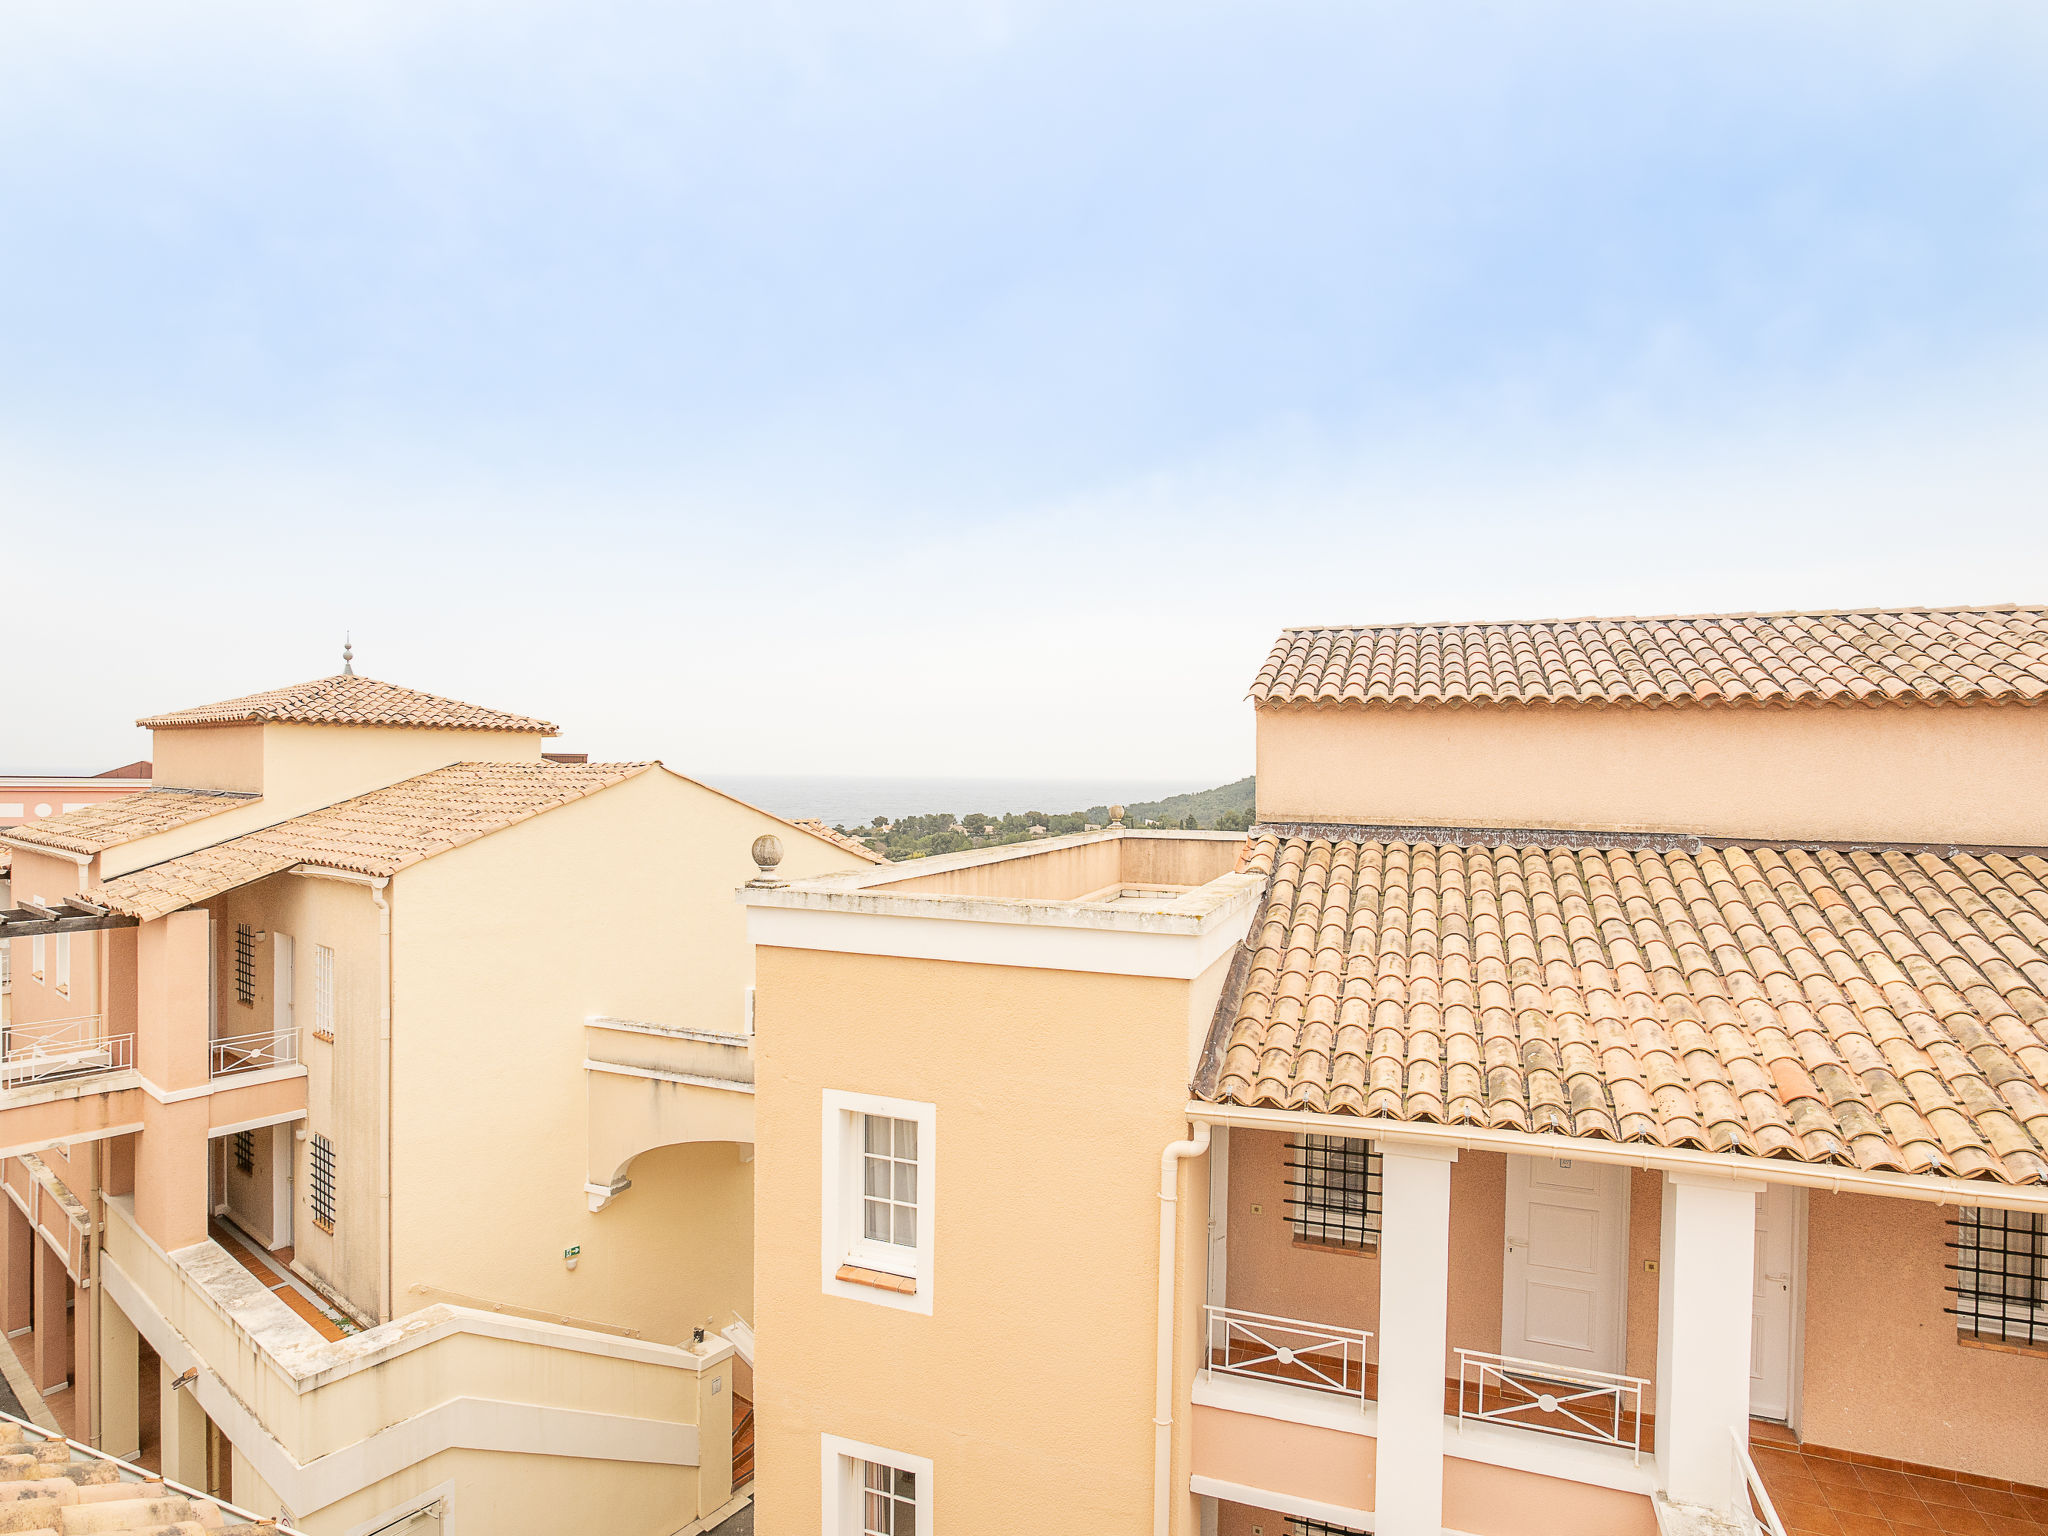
{"x": 1162, "y": 1397}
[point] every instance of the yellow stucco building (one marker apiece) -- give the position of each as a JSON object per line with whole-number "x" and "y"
{"x": 377, "y": 1119}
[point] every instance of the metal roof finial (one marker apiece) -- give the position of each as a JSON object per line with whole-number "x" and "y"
{"x": 348, "y": 651}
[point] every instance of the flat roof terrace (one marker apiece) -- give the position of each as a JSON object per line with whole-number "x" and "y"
{"x": 1070, "y": 903}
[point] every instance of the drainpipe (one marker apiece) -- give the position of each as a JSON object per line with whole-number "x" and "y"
{"x": 384, "y": 1089}
{"x": 1162, "y": 1401}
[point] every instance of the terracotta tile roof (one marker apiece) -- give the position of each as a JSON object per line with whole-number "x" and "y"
{"x": 346, "y": 699}
{"x": 378, "y": 833}
{"x": 48, "y": 1484}
{"x": 1920, "y": 655}
{"x": 840, "y": 840}
{"x": 95, "y": 828}
{"x": 1877, "y": 1010}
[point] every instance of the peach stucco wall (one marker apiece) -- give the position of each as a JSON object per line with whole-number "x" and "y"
{"x": 1500, "y": 1501}
{"x": 1032, "y": 1378}
{"x": 1901, "y": 773}
{"x": 1885, "y": 1372}
{"x": 1305, "y": 1461}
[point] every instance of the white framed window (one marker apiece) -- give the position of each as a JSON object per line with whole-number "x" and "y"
{"x": 879, "y": 1187}
{"x": 323, "y": 991}
{"x": 61, "y": 963}
{"x": 870, "y": 1491}
{"x": 38, "y": 953}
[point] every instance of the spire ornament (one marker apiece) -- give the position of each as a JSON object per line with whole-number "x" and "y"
{"x": 348, "y": 651}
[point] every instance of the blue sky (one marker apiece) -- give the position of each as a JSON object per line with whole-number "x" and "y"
{"x": 975, "y": 388}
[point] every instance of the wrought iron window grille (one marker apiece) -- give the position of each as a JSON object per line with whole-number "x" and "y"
{"x": 323, "y": 1183}
{"x": 245, "y": 1151}
{"x": 245, "y": 964}
{"x": 2001, "y": 1275}
{"x": 1297, "y": 1525}
{"x": 1333, "y": 1185}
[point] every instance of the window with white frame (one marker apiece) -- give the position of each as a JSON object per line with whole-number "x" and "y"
{"x": 323, "y": 991}
{"x": 870, "y": 1491}
{"x": 2001, "y": 1275}
{"x": 877, "y": 1220}
{"x": 38, "y": 953}
{"x": 1333, "y": 1190}
{"x": 888, "y": 1206}
{"x": 60, "y": 965}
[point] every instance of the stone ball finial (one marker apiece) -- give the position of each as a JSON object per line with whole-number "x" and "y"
{"x": 1116, "y": 815}
{"x": 767, "y": 853}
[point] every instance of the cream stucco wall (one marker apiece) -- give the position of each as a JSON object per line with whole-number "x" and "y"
{"x": 1903, "y": 774}
{"x": 1885, "y": 1373}
{"x": 620, "y": 905}
{"x": 1031, "y": 1379}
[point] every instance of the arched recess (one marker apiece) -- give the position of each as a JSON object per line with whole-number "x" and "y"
{"x": 637, "y": 1110}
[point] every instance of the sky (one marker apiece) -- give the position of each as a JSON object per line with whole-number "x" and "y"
{"x": 976, "y": 388}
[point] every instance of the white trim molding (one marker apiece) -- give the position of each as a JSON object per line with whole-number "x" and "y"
{"x": 840, "y": 1196}
{"x": 839, "y": 1465}
{"x": 1282, "y": 1503}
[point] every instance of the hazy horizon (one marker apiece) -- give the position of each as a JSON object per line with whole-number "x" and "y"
{"x": 975, "y": 389}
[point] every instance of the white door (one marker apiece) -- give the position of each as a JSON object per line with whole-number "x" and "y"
{"x": 1219, "y": 1213}
{"x": 1778, "y": 1212}
{"x": 285, "y": 966}
{"x": 1567, "y": 1248}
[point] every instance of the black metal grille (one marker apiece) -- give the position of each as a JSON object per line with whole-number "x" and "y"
{"x": 2001, "y": 1270}
{"x": 1297, "y": 1526}
{"x": 245, "y": 1151}
{"x": 323, "y": 1183}
{"x": 1333, "y": 1187}
{"x": 245, "y": 963}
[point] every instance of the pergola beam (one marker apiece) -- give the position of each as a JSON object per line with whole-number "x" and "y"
{"x": 36, "y": 922}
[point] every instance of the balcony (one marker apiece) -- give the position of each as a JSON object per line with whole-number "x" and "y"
{"x": 263, "y": 1051}
{"x": 54, "y": 1050}
{"x": 656, "y": 1085}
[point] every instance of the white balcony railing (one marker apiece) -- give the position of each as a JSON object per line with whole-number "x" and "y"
{"x": 1288, "y": 1350}
{"x": 1753, "y": 1499}
{"x": 1551, "y": 1399}
{"x": 46, "y": 1049}
{"x": 256, "y": 1053}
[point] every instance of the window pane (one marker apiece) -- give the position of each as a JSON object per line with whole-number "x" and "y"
{"x": 876, "y": 1516}
{"x": 877, "y": 1134}
{"x": 906, "y": 1483}
{"x": 877, "y": 1177}
{"x": 906, "y": 1183}
{"x": 906, "y": 1225}
{"x": 906, "y": 1139}
{"x": 875, "y": 1225}
{"x": 877, "y": 1475}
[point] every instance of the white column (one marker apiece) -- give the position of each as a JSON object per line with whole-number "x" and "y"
{"x": 1705, "y": 1290}
{"x": 1415, "y": 1271}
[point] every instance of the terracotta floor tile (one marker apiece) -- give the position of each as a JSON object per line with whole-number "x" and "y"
{"x": 2016, "y": 1525}
{"x": 1964, "y": 1522}
{"x": 1933, "y": 1490}
{"x": 1992, "y": 1501}
{"x": 1879, "y": 1481}
{"x": 1817, "y": 1518}
{"x": 1863, "y": 1525}
{"x": 1858, "y": 1500}
{"x": 1821, "y": 1470}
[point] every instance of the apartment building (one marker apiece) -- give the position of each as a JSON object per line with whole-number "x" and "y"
{"x": 376, "y": 1119}
{"x": 1607, "y": 1092}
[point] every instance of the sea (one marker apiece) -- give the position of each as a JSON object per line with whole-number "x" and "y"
{"x": 858, "y": 801}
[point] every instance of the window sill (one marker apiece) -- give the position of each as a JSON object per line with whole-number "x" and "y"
{"x": 880, "y": 1279}
{"x": 1323, "y": 1245}
{"x": 324, "y": 1034}
{"x": 2002, "y": 1346}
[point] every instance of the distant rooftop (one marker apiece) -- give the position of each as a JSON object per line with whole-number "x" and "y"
{"x": 1992, "y": 655}
{"x": 346, "y": 699}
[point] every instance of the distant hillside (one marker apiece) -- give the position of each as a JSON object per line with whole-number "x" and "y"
{"x": 1227, "y": 808}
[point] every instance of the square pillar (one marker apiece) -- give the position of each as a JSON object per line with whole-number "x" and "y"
{"x": 51, "y": 1367}
{"x": 1705, "y": 1292}
{"x": 119, "y": 1368}
{"x": 182, "y": 1428}
{"x": 18, "y": 1269}
{"x": 1415, "y": 1273}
